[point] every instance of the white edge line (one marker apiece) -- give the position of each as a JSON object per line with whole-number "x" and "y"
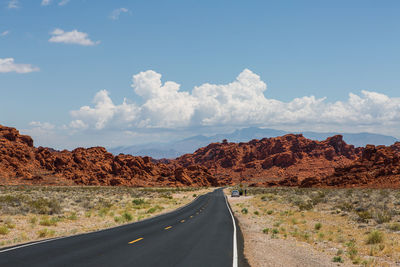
{"x": 105, "y": 229}
{"x": 235, "y": 255}
{"x": 31, "y": 244}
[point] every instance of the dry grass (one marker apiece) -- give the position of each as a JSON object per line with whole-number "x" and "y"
{"x": 29, "y": 213}
{"x": 357, "y": 226}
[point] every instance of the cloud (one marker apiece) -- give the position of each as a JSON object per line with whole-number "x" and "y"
{"x": 4, "y": 33}
{"x": 45, "y": 2}
{"x": 13, "y": 4}
{"x": 117, "y": 12}
{"x": 72, "y": 37}
{"x": 42, "y": 125}
{"x": 8, "y": 65}
{"x": 241, "y": 103}
{"x": 63, "y": 2}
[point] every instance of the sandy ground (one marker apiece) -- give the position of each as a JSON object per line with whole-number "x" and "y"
{"x": 262, "y": 250}
{"x": 81, "y": 211}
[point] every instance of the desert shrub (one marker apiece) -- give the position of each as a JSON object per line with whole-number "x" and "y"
{"x": 167, "y": 195}
{"x": 375, "y": 237}
{"x": 245, "y": 211}
{"x": 45, "y": 206}
{"x": 364, "y": 216}
{"x": 256, "y": 212}
{"x": 345, "y": 206}
{"x": 72, "y": 216}
{"x": 265, "y": 230}
{"x": 394, "y": 227}
{"x": 269, "y": 212}
{"x": 46, "y": 221}
{"x": 318, "y": 226}
{"x": 4, "y": 230}
{"x": 194, "y": 195}
{"x": 138, "y": 201}
{"x": 33, "y": 220}
{"x": 154, "y": 209}
{"x": 127, "y": 216}
{"x": 337, "y": 259}
{"x": 382, "y": 217}
{"x": 45, "y": 232}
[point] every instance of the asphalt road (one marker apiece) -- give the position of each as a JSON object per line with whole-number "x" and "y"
{"x": 200, "y": 234}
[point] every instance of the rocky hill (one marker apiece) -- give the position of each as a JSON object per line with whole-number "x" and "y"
{"x": 22, "y": 163}
{"x": 377, "y": 167}
{"x": 273, "y": 159}
{"x": 289, "y": 160}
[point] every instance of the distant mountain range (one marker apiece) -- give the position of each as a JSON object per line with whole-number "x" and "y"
{"x": 189, "y": 145}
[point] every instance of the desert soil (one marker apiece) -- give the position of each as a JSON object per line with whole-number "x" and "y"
{"x": 319, "y": 227}
{"x": 32, "y": 213}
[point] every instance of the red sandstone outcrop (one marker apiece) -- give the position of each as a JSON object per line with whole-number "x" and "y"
{"x": 289, "y": 160}
{"x": 377, "y": 167}
{"x": 281, "y": 160}
{"x": 21, "y": 162}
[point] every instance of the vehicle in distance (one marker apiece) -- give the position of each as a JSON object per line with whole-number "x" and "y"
{"x": 235, "y": 193}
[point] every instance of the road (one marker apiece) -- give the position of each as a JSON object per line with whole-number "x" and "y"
{"x": 199, "y": 234}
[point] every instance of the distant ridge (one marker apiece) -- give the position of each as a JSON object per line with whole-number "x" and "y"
{"x": 175, "y": 149}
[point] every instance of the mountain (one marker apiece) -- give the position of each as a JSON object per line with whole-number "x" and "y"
{"x": 22, "y": 163}
{"x": 289, "y": 160}
{"x": 281, "y": 158}
{"x": 189, "y": 145}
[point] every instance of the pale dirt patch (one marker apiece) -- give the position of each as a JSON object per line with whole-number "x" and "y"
{"x": 309, "y": 227}
{"x": 262, "y": 250}
{"x": 73, "y": 210}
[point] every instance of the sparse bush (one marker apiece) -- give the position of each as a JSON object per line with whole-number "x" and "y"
{"x": 318, "y": 226}
{"x": 45, "y": 206}
{"x": 46, "y": 221}
{"x": 4, "y": 230}
{"x": 265, "y": 230}
{"x": 364, "y": 216}
{"x": 127, "y": 216}
{"x": 154, "y": 209}
{"x": 394, "y": 227}
{"x": 382, "y": 216}
{"x": 256, "y": 213}
{"x": 45, "y": 233}
{"x": 269, "y": 212}
{"x": 338, "y": 259}
{"x": 138, "y": 201}
{"x": 375, "y": 237}
{"x": 245, "y": 211}
{"x": 72, "y": 216}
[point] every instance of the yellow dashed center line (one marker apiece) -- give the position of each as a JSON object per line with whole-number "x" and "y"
{"x": 168, "y": 227}
{"x": 136, "y": 240}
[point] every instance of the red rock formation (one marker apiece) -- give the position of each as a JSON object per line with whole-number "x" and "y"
{"x": 289, "y": 160}
{"x": 280, "y": 160}
{"x": 21, "y": 162}
{"x": 377, "y": 167}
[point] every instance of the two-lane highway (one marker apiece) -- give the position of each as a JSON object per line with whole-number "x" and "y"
{"x": 199, "y": 234}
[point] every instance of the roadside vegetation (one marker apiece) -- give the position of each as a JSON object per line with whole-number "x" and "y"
{"x": 30, "y": 213}
{"x": 353, "y": 226}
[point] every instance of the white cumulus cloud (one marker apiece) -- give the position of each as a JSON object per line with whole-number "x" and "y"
{"x": 72, "y": 37}
{"x": 63, "y": 2}
{"x": 8, "y": 65}
{"x": 4, "y": 33}
{"x": 13, "y": 4}
{"x": 240, "y": 103}
{"x": 45, "y": 2}
{"x": 117, "y": 12}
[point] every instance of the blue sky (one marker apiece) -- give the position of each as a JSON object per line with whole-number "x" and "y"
{"x": 279, "y": 64}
